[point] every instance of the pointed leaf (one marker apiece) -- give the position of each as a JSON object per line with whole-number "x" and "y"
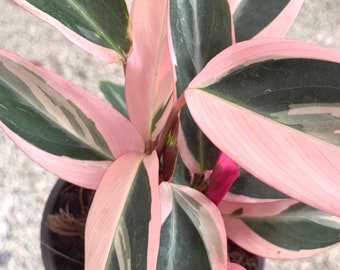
{"x": 123, "y": 226}
{"x": 199, "y": 30}
{"x": 114, "y": 93}
{"x": 46, "y": 119}
{"x": 296, "y": 230}
{"x": 192, "y": 235}
{"x": 100, "y": 28}
{"x": 246, "y": 238}
{"x": 264, "y": 18}
{"x": 239, "y": 118}
{"x": 81, "y": 121}
{"x": 298, "y": 227}
{"x": 84, "y": 173}
{"x": 69, "y": 115}
{"x": 149, "y": 76}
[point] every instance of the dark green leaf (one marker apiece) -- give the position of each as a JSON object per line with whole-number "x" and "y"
{"x": 133, "y": 231}
{"x": 249, "y": 185}
{"x": 24, "y": 109}
{"x": 103, "y": 22}
{"x": 203, "y": 150}
{"x": 181, "y": 173}
{"x": 181, "y": 246}
{"x": 251, "y": 16}
{"x": 298, "y": 227}
{"x": 301, "y": 93}
{"x": 200, "y": 30}
{"x": 115, "y": 95}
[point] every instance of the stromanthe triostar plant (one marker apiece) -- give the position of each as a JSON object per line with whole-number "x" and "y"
{"x": 222, "y": 129}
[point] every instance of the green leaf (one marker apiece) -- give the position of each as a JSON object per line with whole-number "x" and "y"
{"x": 202, "y": 149}
{"x": 193, "y": 233}
{"x": 237, "y": 98}
{"x": 299, "y": 227}
{"x": 131, "y": 238}
{"x": 103, "y": 22}
{"x": 249, "y": 185}
{"x": 181, "y": 246}
{"x": 303, "y": 94}
{"x": 115, "y": 95}
{"x": 200, "y": 30}
{"x": 251, "y": 17}
{"x": 181, "y": 174}
{"x": 124, "y": 222}
{"x": 46, "y": 119}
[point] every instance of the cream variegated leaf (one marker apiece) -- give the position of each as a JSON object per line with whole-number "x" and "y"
{"x": 100, "y": 28}
{"x": 60, "y": 117}
{"x": 190, "y": 219}
{"x": 248, "y": 100}
{"x": 123, "y": 226}
{"x": 279, "y": 228}
{"x": 30, "y": 95}
{"x": 321, "y": 120}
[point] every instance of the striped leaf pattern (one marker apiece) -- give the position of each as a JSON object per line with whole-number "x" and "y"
{"x": 114, "y": 93}
{"x": 45, "y": 118}
{"x": 100, "y": 27}
{"x": 192, "y": 235}
{"x": 279, "y": 228}
{"x": 199, "y": 30}
{"x": 226, "y": 101}
{"x": 263, "y": 18}
{"x": 149, "y": 76}
{"x": 123, "y": 225}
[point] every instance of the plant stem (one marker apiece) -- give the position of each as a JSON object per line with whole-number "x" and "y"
{"x": 170, "y": 124}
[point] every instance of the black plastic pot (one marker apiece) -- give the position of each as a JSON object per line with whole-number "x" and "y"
{"x": 54, "y": 256}
{"x": 51, "y": 243}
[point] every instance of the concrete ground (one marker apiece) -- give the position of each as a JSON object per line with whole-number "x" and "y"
{"x": 24, "y": 186}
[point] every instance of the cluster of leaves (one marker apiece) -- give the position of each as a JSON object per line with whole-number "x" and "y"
{"x": 208, "y": 84}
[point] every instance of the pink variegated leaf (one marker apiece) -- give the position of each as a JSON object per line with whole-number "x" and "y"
{"x": 249, "y": 240}
{"x": 222, "y": 177}
{"x": 199, "y": 30}
{"x": 192, "y": 235}
{"x": 281, "y": 24}
{"x": 60, "y": 118}
{"x": 99, "y": 27}
{"x": 278, "y": 228}
{"x": 84, "y": 173}
{"x": 263, "y": 19}
{"x": 275, "y": 113}
{"x": 124, "y": 222}
{"x": 69, "y": 106}
{"x": 233, "y": 4}
{"x": 149, "y": 77}
{"x": 187, "y": 156}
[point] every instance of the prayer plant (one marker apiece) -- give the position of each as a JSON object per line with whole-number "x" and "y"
{"x": 222, "y": 129}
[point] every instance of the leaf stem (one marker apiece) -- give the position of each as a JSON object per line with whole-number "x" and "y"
{"x": 170, "y": 124}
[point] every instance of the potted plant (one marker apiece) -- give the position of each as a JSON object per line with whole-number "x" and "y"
{"x": 222, "y": 129}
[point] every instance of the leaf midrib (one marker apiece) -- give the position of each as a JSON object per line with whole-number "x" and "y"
{"x": 48, "y": 116}
{"x": 84, "y": 14}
